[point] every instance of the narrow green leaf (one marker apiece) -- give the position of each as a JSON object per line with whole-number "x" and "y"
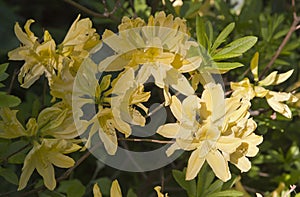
{"x": 205, "y": 178}
{"x": 227, "y": 193}
{"x": 215, "y": 187}
{"x": 223, "y": 67}
{"x": 222, "y": 36}
{"x": 229, "y": 184}
{"x": 9, "y": 175}
{"x": 8, "y": 100}
{"x": 188, "y": 186}
{"x": 236, "y": 48}
{"x": 200, "y": 31}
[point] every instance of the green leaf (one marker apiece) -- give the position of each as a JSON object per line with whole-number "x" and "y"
{"x": 205, "y": 178}
{"x": 72, "y": 188}
{"x": 3, "y": 67}
{"x": 200, "y": 32}
{"x": 194, "y": 7}
{"x": 3, "y": 76}
{"x": 222, "y": 36}
{"x": 229, "y": 184}
{"x": 227, "y": 193}
{"x": 104, "y": 185}
{"x": 223, "y": 67}
{"x": 236, "y": 48}
{"x": 9, "y": 175}
{"x": 48, "y": 193}
{"x": 131, "y": 193}
{"x": 8, "y": 100}
{"x": 188, "y": 186}
{"x": 215, "y": 187}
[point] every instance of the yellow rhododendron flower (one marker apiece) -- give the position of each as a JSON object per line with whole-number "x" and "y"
{"x": 128, "y": 96}
{"x": 39, "y": 57}
{"x": 10, "y": 127}
{"x": 80, "y": 40}
{"x": 160, "y": 48}
{"x": 43, "y": 156}
{"x": 57, "y": 121}
{"x": 59, "y": 64}
{"x": 244, "y": 89}
{"x": 202, "y": 136}
{"x": 216, "y": 135}
{"x": 115, "y": 190}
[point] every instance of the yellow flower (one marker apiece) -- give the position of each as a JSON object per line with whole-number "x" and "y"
{"x": 39, "y": 57}
{"x": 128, "y": 98}
{"x": 161, "y": 48}
{"x": 80, "y": 40}
{"x": 275, "y": 100}
{"x": 104, "y": 121}
{"x": 115, "y": 190}
{"x": 245, "y": 89}
{"x": 202, "y": 136}
{"x": 10, "y": 127}
{"x": 43, "y": 156}
{"x": 57, "y": 121}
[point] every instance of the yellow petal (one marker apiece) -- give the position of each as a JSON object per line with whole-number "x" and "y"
{"x": 228, "y": 144}
{"x": 172, "y": 149}
{"x": 158, "y": 192}
{"x": 283, "y": 77}
{"x": 169, "y": 130}
{"x": 190, "y": 109}
{"x": 109, "y": 139}
{"x": 279, "y": 107}
{"x": 27, "y": 38}
{"x": 115, "y": 190}
{"x": 194, "y": 165}
{"x": 243, "y": 164}
{"x": 268, "y": 80}
{"x": 61, "y": 160}
{"x": 96, "y": 191}
{"x": 176, "y": 107}
{"x": 10, "y": 127}
{"x": 254, "y": 66}
{"x": 28, "y": 168}
{"x": 260, "y": 91}
{"x": 182, "y": 85}
{"x": 219, "y": 165}
{"x": 46, "y": 170}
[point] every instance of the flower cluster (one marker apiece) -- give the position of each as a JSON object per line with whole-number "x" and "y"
{"x": 52, "y": 133}
{"x": 216, "y": 129}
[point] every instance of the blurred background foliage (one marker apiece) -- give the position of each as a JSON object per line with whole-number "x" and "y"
{"x": 278, "y": 162}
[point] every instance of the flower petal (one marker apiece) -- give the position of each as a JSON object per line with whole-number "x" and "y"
{"x": 194, "y": 165}
{"x": 170, "y": 130}
{"x": 115, "y": 190}
{"x": 219, "y": 165}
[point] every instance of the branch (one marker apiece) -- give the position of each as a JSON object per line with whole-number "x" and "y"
{"x": 146, "y": 140}
{"x": 293, "y": 28}
{"x": 106, "y": 14}
{"x": 14, "y": 153}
